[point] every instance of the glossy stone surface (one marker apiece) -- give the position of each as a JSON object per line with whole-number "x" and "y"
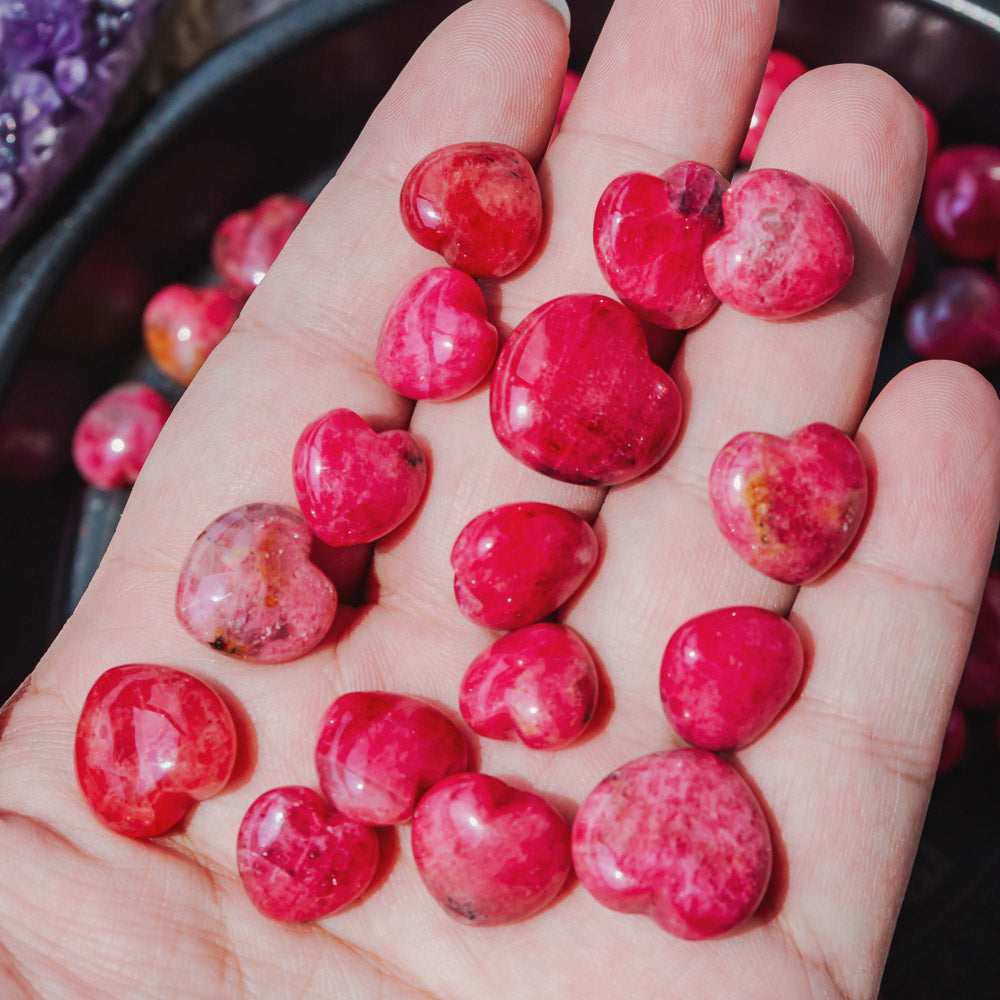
{"x": 956, "y": 740}
{"x": 437, "y": 341}
{"x": 246, "y": 243}
{"x": 117, "y": 433}
{"x": 249, "y": 589}
{"x": 727, "y": 674}
{"x": 354, "y": 484}
{"x": 783, "y": 249}
{"x": 477, "y": 204}
{"x": 514, "y": 565}
{"x": 790, "y": 506}
{"x": 299, "y": 859}
{"x": 150, "y": 742}
{"x": 678, "y": 836}
{"x": 957, "y": 318}
{"x": 182, "y": 325}
{"x": 649, "y": 234}
{"x": 487, "y": 852}
{"x": 781, "y": 69}
{"x": 378, "y": 752}
{"x": 961, "y": 201}
{"x": 979, "y": 688}
{"x": 575, "y": 396}
{"x": 537, "y": 685}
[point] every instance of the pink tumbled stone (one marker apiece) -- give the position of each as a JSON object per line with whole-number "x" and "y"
{"x": 246, "y": 243}
{"x": 477, "y": 204}
{"x": 727, "y": 674}
{"x": 537, "y": 685}
{"x": 354, "y": 484}
{"x": 437, "y": 341}
{"x": 649, "y": 233}
{"x": 514, "y": 565}
{"x": 933, "y": 129}
{"x": 299, "y": 859}
{"x": 783, "y": 249}
{"x": 781, "y": 69}
{"x": 150, "y": 742}
{"x": 790, "y": 506}
{"x": 979, "y": 688}
{"x": 678, "y": 836}
{"x": 248, "y": 587}
{"x": 487, "y": 852}
{"x": 961, "y": 201}
{"x": 378, "y": 752}
{"x": 575, "y": 396}
{"x": 117, "y": 433}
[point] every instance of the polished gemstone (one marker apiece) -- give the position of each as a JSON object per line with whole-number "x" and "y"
{"x": 961, "y": 201}
{"x": 781, "y": 69}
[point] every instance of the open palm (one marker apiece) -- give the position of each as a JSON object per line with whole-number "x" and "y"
{"x": 846, "y": 771}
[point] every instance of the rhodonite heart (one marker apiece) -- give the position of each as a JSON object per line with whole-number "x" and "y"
{"x": 575, "y": 396}
{"x": 790, "y": 507}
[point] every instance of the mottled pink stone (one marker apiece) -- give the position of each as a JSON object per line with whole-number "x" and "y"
{"x": 182, "y": 325}
{"x": 961, "y": 201}
{"x": 979, "y": 688}
{"x": 354, "y": 484}
{"x": 957, "y": 318}
{"x": 537, "y": 685}
{"x": 575, "y": 396}
{"x": 150, "y": 742}
{"x": 727, "y": 674}
{"x": 248, "y": 587}
{"x": 437, "y": 341}
{"x": 477, "y": 204}
{"x": 514, "y": 565}
{"x": 783, "y": 249}
{"x": 790, "y": 506}
{"x": 678, "y": 836}
{"x": 377, "y": 753}
{"x": 956, "y": 740}
{"x": 299, "y": 859}
{"x": 246, "y": 243}
{"x": 649, "y": 234}
{"x": 487, "y": 852}
{"x": 781, "y": 69}
{"x": 116, "y": 434}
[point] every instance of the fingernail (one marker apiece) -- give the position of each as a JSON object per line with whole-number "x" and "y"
{"x": 563, "y": 9}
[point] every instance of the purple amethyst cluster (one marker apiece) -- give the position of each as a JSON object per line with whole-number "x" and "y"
{"x": 62, "y": 64}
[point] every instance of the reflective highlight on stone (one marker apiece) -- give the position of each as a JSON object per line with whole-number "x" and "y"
{"x": 678, "y": 836}
{"x": 248, "y": 587}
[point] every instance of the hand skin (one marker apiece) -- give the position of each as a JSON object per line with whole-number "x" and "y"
{"x": 846, "y": 771}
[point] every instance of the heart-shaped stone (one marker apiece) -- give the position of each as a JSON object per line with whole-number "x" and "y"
{"x": 649, "y": 234}
{"x": 248, "y": 587}
{"x": 783, "y": 249}
{"x": 727, "y": 674}
{"x": 436, "y": 342}
{"x": 378, "y": 752}
{"x": 575, "y": 396}
{"x": 790, "y": 507}
{"x": 354, "y": 484}
{"x": 487, "y": 852}
{"x": 678, "y": 836}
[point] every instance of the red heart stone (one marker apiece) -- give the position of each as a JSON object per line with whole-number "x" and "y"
{"x": 354, "y": 484}
{"x": 575, "y": 396}
{"x": 790, "y": 507}
{"x": 649, "y": 233}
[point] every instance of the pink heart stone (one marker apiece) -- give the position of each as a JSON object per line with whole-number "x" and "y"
{"x": 436, "y": 342}
{"x": 961, "y": 201}
{"x": 781, "y": 69}
{"x": 378, "y": 752}
{"x": 477, "y": 204}
{"x": 727, "y": 674}
{"x": 537, "y": 685}
{"x": 150, "y": 742}
{"x": 487, "y": 852}
{"x": 354, "y": 484}
{"x": 649, "y": 233}
{"x": 783, "y": 249}
{"x": 790, "y": 507}
{"x": 248, "y": 587}
{"x": 678, "y": 836}
{"x": 575, "y": 396}
{"x": 301, "y": 860}
{"x": 516, "y": 564}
